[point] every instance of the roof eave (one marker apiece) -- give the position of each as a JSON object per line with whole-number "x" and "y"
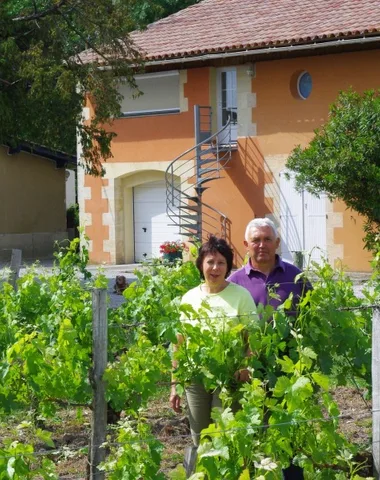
{"x": 61, "y": 159}
{"x": 263, "y": 50}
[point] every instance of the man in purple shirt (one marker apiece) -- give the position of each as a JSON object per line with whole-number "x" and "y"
{"x": 269, "y": 279}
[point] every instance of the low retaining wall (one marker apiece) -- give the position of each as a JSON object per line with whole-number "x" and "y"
{"x": 33, "y": 245}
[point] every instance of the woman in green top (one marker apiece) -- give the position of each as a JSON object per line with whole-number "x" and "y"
{"x": 228, "y": 299}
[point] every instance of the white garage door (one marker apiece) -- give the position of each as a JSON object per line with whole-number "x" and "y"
{"x": 303, "y": 222}
{"x": 151, "y": 222}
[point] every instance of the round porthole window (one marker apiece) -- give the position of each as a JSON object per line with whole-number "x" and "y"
{"x": 304, "y": 85}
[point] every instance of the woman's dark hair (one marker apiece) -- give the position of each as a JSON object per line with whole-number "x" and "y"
{"x": 212, "y": 246}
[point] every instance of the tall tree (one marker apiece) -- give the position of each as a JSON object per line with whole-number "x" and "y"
{"x": 149, "y": 11}
{"x": 43, "y": 81}
{"x": 343, "y": 159}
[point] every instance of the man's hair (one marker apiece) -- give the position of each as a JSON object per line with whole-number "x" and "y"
{"x": 211, "y": 247}
{"x": 258, "y": 223}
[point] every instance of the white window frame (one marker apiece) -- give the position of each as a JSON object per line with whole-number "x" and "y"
{"x": 234, "y": 126}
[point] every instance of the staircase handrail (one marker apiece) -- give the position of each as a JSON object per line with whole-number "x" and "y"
{"x": 207, "y": 140}
{"x": 176, "y": 193}
{"x": 223, "y": 222}
{"x": 215, "y": 210}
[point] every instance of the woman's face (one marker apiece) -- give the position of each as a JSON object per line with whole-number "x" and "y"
{"x": 214, "y": 269}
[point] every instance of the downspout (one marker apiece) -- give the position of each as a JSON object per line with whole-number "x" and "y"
{"x": 304, "y": 207}
{"x": 199, "y": 190}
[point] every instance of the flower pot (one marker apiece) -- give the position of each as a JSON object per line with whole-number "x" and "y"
{"x": 172, "y": 256}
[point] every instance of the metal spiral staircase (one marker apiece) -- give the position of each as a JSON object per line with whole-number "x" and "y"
{"x": 188, "y": 175}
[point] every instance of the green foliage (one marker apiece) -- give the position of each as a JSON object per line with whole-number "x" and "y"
{"x": 285, "y": 413}
{"x": 132, "y": 379}
{"x": 375, "y": 283}
{"x": 163, "y": 282}
{"x": 343, "y": 159}
{"x": 72, "y": 216}
{"x": 74, "y": 256}
{"x": 46, "y": 337}
{"x": 137, "y": 455}
{"x": 293, "y": 364}
{"x": 148, "y": 11}
{"x": 327, "y": 316}
{"x": 237, "y": 445}
{"x": 19, "y": 461}
{"x": 212, "y": 351}
{"x": 43, "y": 81}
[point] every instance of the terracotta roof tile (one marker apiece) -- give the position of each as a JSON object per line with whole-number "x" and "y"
{"x": 224, "y": 25}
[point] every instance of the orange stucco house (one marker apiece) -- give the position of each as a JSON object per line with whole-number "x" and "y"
{"x": 231, "y": 87}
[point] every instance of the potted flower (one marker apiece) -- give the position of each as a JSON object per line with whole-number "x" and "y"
{"x": 171, "y": 250}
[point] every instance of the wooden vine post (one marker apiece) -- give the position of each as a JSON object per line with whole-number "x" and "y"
{"x": 99, "y": 404}
{"x": 15, "y": 267}
{"x": 376, "y": 392}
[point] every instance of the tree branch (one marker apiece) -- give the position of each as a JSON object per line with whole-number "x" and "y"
{"x": 54, "y": 10}
{"x": 90, "y": 45}
{"x": 9, "y": 84}
{"x": 75, "y": 30}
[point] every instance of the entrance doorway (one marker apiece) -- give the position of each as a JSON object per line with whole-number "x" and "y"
{"x": 303, "y": 222}
{"x": 151, "y": 223}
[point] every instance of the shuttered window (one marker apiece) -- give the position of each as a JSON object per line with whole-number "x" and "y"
{"x": 160, "y": 95}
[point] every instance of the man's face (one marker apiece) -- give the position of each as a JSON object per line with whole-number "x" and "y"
{"x": 262, "y": 245}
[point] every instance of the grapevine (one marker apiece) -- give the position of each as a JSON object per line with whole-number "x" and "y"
{"x": 285, "y": 414}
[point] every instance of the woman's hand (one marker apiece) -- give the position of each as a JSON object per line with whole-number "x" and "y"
{"x": 175, "y": 401}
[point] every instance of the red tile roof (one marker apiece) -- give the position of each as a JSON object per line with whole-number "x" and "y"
{"x": 230, "y": 25}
